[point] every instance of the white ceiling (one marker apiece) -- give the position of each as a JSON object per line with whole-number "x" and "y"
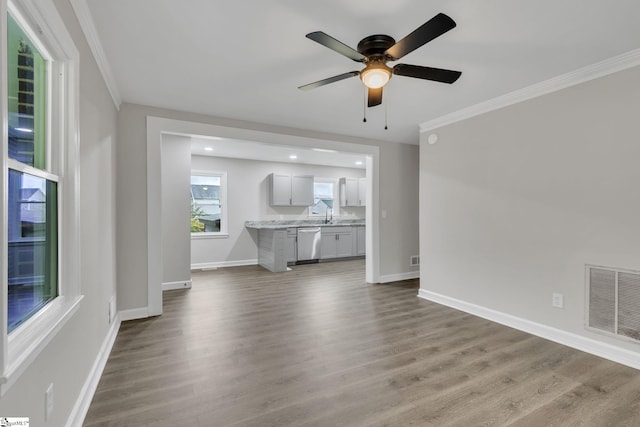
{"x": 257, "y": 150}
{"x": 245, "y": 59}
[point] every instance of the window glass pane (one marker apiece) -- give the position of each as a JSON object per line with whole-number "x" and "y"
{"x": 33, "y": 245}
{"x": 27, "y": 80}
{"x": 206, "y": 208}
{"x": 322, "y": 198}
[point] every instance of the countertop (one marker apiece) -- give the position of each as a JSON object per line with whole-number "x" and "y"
{"x": 283, "y": 224}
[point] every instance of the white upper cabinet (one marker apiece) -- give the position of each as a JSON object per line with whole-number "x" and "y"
{"x": 287, "y": 190}
{"x": 302, "y": 190}
{"x": 362, "y": 191}
{"x": 353, "y": 191}
{"x": 280, "y": 190}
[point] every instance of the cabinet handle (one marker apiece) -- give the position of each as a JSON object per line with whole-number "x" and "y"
{"x": 290, "y": 201}
{"x": 337, "y": 237}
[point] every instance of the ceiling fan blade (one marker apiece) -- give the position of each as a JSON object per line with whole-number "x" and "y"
{"x": 336, "y": 45}
{"x": 329, "y": 80}
{"x": 427, "y": 73}
{"x": 435, "y": 27}
{"x": 374, "y": 97}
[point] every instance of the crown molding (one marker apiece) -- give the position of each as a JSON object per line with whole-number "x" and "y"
{"x": 581, "y": 75}
{"x": 83, "y": 13}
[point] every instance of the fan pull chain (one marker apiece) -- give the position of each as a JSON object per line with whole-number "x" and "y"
{"x": 364, "y": 106}
{"x": 385, "y": 115}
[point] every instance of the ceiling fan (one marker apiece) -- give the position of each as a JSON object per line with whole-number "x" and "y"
{"x": 376, "y": 50}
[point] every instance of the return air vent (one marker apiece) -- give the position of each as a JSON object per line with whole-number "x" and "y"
{"x": 613, "y": 298}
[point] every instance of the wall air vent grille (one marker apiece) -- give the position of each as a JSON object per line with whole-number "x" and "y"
{"x": 613, "y": 301}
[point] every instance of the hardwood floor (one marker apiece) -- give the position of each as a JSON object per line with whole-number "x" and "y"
{"x": 317, "y": 346}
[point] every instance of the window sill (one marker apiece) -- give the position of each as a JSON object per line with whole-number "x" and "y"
{"x": 198, "y": 236}
{"x": 29, "y": 339}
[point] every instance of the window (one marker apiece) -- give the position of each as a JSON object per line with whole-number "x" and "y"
{"x": 208, "y": 203}
{"x": 32, "y": 197}
{"x": 324, "y": 194}
{"x": 33, "y": 245}
{"x": 39, "y": 236}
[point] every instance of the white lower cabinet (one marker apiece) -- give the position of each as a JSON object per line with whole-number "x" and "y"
{"x": 291, "y": 249}
{"x": 336, "y": 242}
{"x": 361, "y": 243}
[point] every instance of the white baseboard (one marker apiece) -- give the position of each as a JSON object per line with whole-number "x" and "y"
{"x": 399, "y": 276}
{"x": 80, "y": 409}
{"x": 170, "y": 286}
{"x": 589, "y": 345}
{"x": 221, "y": 264}
{"x": 133, "y": 314}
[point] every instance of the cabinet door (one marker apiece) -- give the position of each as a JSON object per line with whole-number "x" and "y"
{"x": 280, "y": 190}
{"x": 302, "y": 190}
{"x": 348, "y": 192}
{"x": 328, "y": 247}
{"x": 291, "y": 253}
{"x": 362, "y": 191}
{"x": 344, "y": 245}
{"x": 361, "y": 241}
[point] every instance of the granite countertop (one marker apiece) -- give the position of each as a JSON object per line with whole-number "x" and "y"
{"x": 282, "y": 224}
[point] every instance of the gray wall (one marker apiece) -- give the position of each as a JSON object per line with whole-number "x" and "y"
{"x": 398, "y": 196}
{"x": 67, "y": 359}
{"x": 176, "y": 182}
{"x": 248, "y": 200}
{"x": 515, "y": 202}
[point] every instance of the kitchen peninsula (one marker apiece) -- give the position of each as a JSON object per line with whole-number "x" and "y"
{"x": 278, "y": 241}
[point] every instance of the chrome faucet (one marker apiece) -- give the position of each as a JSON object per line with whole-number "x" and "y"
{"x": 326, "y": 212}
{"x": 329, "y": 204}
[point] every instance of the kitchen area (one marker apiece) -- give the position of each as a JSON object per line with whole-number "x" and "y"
{"x": 265, "y": 221}
{"x": 282, "y": 243}
{"x": 283, "y": 211}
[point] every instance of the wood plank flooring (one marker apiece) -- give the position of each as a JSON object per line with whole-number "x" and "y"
{"x": 317, "y": 346}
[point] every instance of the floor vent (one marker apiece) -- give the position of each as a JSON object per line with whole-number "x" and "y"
{"x": 414, "y": 260}
{"x": 613, "y": 298}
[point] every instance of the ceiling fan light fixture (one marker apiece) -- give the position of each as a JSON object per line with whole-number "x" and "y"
{"x": 375, "y": 76}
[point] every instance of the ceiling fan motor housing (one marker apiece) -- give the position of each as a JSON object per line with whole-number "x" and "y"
{"x": 374, "y": 47}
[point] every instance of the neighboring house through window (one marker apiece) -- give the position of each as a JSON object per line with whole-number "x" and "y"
{"x": 324, "y": 194}
{"x": 208, "y": 203}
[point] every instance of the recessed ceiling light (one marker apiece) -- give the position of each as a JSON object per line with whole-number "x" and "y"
{"x": 293, "y": 157}
{"x": 324, "y": 150}
{"x": 358, "y": 163}
{"x": 208, "y": 149}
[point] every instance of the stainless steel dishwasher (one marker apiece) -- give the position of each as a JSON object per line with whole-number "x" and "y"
{"x": 308, "y": 244}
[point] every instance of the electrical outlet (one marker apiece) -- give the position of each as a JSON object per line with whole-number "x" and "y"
{"x": 557, "y": 300}
{"x": 48, "y": 402}
{"x": 414, "y": 260}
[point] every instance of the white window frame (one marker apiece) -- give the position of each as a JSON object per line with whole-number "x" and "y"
{"x": 336, "y": 197}
{"x": 44, "y": 26}
{"x": 224, "y": 217}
